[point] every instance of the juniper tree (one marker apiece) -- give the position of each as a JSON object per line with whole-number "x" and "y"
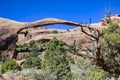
{"x": 55, "y": 59}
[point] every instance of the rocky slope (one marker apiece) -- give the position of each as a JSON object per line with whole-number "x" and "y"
{"x": 64, "y": 35}
{"x": 23, "y": 32}
{"x": 67, "y": 36}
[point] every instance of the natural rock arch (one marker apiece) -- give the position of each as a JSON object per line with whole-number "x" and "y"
{"x": 9, "y": 31}
{"x": 9, "y": 28}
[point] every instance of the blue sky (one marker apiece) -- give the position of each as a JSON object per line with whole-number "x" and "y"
{"x": 73, "y": 10}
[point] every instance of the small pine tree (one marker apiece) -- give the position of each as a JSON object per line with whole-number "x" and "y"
{"x": 32, "y": 62}
{"x": 34, "y": 50}
{"x": 55, "y": 59}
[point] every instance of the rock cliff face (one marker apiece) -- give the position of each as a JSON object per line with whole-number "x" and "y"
{"x": 8, "y": 46}
{"x": 67, "y": 36}
{"x": 9, "y": 31}
{"x": 8, "y": 37}
{"x": 12, "y": 32}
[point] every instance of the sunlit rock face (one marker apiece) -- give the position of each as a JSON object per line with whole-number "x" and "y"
{"x": 9, "y": 32}
{"x": 8, "y": 37}
{"x": 114, "y": 19}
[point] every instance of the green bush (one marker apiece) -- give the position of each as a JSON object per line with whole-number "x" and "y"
{"x": 22, "y": 47}
{"x": 94, "y": 73}
{"x": 34, "y": 49}
{"x": 112, "y": 34}
{"x": 9, "y": 65}
{"x": 54, "y": 31}
{"x": 55, "y": 59}
{"x": 32, "y": 62}
{"x": 110, "y": 48}
{"x": 82, "y": 70}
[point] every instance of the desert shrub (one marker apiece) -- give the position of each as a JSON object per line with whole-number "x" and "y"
{"x": 9, "y": 65}
{"x": 30, "y": 74}
{"x": 94, "y": 73}
{"x": 78, "y": 70}
{"x": 82, "y": 70}
{"x": 110, "y": 49}
{"x": 22, "y": 46}
{"x": 108, "y": 57}
{"x": 33, "y": 46}
{"x": 112, "y": 78}
{"x": 55, "y": 59}
{"x": 55, "y": 32}
{"x": 32, "y": 62}
{"x": 112, "y": 35}
{"x": 32, "y": 59}
{"x": 34, "y": 49}
{"x": 42, "y": 75}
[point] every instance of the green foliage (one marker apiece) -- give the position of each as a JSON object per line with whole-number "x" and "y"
{"x": 70, "y": 59}
{"x": 34, "y": 49}
{"x": 110, "y": 49}
{"x": 33, "y": 46}
{"x": 9, "y": 65}
{"x": 94, "y": 73}
{"x": 69, "y": 48}
{"x": 79, "y": 70}
{"x": 82, "y": 70}
{"x": 82, "y": 64}
{"x": 55, "y": 59}
{"x": 22, "y": 47}
{"x": 111, "y": 43}
{"x": 32, "y": 62}
{"x": 115, "y": 78}
{"x": 31, "y": 74}
{"x": 55, "y": 32}
{"x": 112, "y": 34}
{"x": 32, "y": 59}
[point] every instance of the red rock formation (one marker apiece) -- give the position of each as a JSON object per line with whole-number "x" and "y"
{"x": 9, "y": 31}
